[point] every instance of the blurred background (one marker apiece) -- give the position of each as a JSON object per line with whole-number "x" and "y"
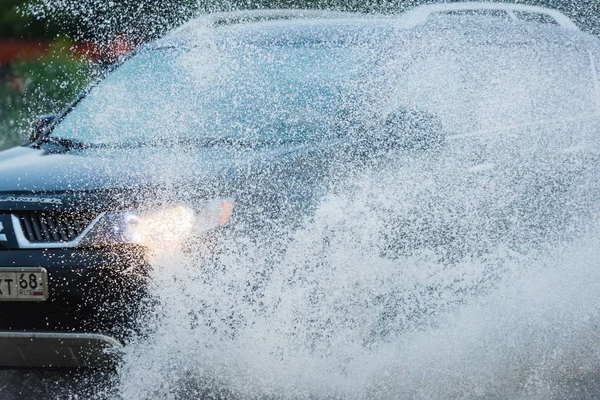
{"x": 50, "y": 50}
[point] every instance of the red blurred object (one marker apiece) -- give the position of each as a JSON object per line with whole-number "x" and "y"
{"x": 12, "y": 50}
{"x": 116, "y": 48}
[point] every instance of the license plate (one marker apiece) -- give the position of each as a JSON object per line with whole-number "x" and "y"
{"x": 23, "y": 284}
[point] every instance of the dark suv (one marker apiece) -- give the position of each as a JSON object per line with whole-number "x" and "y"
{"x": 236, "y": 120}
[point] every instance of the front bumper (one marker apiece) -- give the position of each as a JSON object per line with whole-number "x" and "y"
{"x": 57, "y": 350}
{"x": 95, "y": 298}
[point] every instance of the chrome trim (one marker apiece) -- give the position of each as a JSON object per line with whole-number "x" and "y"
{"x": 57, "y": 349}
{"x": 3, "y": 237}
{"x": 28, "y": 269}
{"x": 26, "y": 244}
{"x": 62, "y": 336}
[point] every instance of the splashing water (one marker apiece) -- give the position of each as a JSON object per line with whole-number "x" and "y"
{"x": 470, "y": 271}
{"x": 333, "y": 311}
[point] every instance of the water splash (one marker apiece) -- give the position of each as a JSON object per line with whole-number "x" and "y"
{"x": 468, "y": 272}
{"x": 334, "y": 310}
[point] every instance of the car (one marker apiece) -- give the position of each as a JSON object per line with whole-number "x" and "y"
{"x": 236, "y": 122}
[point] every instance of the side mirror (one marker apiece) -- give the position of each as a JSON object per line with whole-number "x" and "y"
{"x": 412, "y": 129}
{"x": 40, "y": 125}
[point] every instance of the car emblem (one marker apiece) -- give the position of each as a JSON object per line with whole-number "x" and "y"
{"x": 2, "y": 235}
{"x": 43, "y": 200}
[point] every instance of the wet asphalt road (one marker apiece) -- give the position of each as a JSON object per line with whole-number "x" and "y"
{"x": 42, "y": 385}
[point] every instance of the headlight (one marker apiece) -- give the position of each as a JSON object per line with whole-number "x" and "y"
{"x": 166, "y": 226}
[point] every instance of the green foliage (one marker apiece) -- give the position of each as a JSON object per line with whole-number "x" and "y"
{"x": 52, "y": 79}
{"x": 39, "y": 87}
{"x": 16, "y": 23}
{"x": 100, "y": 20}
{"x": 12, "y": 23}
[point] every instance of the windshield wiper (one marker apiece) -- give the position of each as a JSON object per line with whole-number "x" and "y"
{"x": 188, "y": 141}
{"x": 69, "y": 144}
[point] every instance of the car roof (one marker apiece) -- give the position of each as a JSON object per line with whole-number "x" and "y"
{"x": 250, "y": 25}
{"x": 253, "y": 17}
{"x": 424, "y": 21}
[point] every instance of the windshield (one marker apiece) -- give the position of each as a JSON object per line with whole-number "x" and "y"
{"x": 485, "y": 88}
{"x": 265, "y": 92}
{"x": 284, "y": 87}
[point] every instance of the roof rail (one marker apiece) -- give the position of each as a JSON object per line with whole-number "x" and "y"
{"x": 419, "y": 15}
{"x": 249, "y": 16}
{"x": 238, "y": 17}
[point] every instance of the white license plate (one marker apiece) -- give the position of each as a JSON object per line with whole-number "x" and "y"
{"x": 23, "y": 284}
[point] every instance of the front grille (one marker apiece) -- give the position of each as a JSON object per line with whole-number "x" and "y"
{"x": 54, "y": 226}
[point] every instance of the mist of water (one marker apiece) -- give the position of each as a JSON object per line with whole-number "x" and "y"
{"x": 470, "y": 271}
{"x": 341, "y": 309}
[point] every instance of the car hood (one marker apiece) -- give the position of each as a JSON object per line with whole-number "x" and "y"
{"x": 29, "y": 169}
{"x": 54, "y": 178}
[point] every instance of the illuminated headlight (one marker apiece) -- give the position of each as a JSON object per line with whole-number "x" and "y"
{"x": 164, "y": 226}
